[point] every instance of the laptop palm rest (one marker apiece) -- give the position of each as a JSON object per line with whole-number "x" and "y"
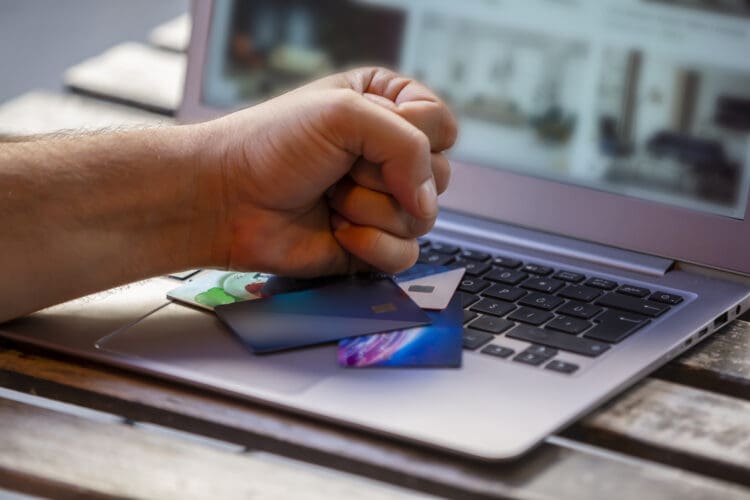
{"x": 193, "y": 345}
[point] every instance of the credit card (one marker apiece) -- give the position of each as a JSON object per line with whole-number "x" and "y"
{"x": 431, "y": 287}
{"x": 435, "y": 345}
{"x": 212, "y": 288}
{"x": 277, "y": 285}
{"x": 350, "y": 307}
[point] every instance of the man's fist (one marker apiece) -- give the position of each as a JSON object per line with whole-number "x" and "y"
{"x": 333, "y": 177}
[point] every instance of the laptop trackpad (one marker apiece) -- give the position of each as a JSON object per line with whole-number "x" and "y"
{"x": 192, "y": 345}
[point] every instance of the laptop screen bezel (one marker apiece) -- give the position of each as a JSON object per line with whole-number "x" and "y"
{"x": 532, "y": 202}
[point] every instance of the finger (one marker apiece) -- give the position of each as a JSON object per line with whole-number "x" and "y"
{"x": 366, "y": 207}
{"x": 369, "y": 175}
{"x": 414, "y": 102}
{"x": 365, "y": 129}
{"x": 380, "y": 249}
{"x": 407, "y": 97}
{"x": 431, "y": 117}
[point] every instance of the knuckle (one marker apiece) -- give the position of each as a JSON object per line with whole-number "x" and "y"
{"x": 448, "y": 128}
{"x": 339, "y": 106}
{"x": 410, "y": 254}
{"x": 374, "y": 69}
{"x": 375, "y": 246}
{"x": 419, "y": 140}
{"x": 441, "y": 169}
{"x": 417, "y": 227}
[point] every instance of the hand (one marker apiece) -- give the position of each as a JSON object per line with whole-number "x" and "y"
{"x": 334, "y": 177}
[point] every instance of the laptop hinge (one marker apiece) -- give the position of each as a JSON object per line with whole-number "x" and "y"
{"x": 485, "y": 231}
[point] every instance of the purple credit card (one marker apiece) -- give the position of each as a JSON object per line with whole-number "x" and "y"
{"x": 435, "y": 345}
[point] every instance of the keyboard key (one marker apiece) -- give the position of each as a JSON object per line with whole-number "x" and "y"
{"x": 541, "y": 350}
{"x": 601, "y": 283}
{"x": 635, "y": 291}
{"x": 530, "y": 358}
{"x": 632, "y": 304}
{"x": 473, "y": 285}
{"x": 473, "y": 268}
{"x": 531, "y": 316}
{"x": 558, "y": 340}
{"x": 468, "y": 316}
{"x": 497, "y": 350}
{"x": 434, "y": 258}
{"x": 468, "y": 299}
{"x": 579, "y": 310}
{"x": 580, "y": 292}
{"x": 423, "y": 242}
{"x": 445, "y": 248}
{"x": 546, "y": 285}
{"x": 473, "y": 339}
{"x": 493, "y": 307}
{"x": 506, "y": 293}
{"x": 666, "y": 298}
{"x": 491, "y": 324}
{"x": 506, "y": 276}
{"x": 572, "y": 326}
{"x": 541, "y": 301}
{"x": 570, "y": 276}
{"x": 561, "y": 366}
{"x": 475, "y": 255}
{"x": 507, "y": 262}
{"x": 537, "y": 269}
{"x": 615, "y": 326}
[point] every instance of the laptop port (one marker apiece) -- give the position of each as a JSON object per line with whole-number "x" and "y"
{"x": 718, "y": 322}
{"x": 703, "y": 332}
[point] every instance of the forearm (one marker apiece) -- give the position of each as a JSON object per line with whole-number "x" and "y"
{"x": 85, "y": 213}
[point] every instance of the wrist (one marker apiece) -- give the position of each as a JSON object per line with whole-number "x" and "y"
{"x": 201, "y": 203}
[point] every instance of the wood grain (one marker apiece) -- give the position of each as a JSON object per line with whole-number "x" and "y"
{"x": 63, "y": 453}
{"x": 693, "y": 414}
{"x": 719, "y": 364}
{"x": 548, "y": 472}
{"x": 691, "y": 428}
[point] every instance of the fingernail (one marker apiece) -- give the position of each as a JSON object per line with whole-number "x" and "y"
{"x": 338, "y": 222}
{"x": 427, "y": 198}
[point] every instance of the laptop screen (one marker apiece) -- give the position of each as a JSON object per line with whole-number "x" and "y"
{"x": 644, "y": 98}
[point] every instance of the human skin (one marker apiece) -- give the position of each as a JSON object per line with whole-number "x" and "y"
{"x": 334, "y": 177}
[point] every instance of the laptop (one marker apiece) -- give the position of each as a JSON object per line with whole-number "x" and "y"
{"x": 598, "y": 203}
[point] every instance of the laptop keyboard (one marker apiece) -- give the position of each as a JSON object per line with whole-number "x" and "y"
{"x": 554, "y": 310}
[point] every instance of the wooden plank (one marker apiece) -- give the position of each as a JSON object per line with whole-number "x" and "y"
{"x": 172, "y": 35}
{"x": 133, "y": 73}
{"x": 687, "y": 427}
{"x": 550, "y": 471}
{"x": 86, "y": 457}
{"x": 719, "y": 364}
{"x": 41, "y": 112}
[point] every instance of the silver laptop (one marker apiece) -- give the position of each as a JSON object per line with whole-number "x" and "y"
{"x": 598, "y": 203}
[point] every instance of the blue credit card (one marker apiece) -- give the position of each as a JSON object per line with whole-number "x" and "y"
{"x": 420, "y": 271}
{"x": 436, "y": 345}
{"x": 349, "y": 307}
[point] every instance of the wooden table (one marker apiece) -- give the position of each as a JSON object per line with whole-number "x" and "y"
{"x": 682, "y": 433}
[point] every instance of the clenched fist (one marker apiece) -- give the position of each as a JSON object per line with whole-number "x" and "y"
{"x": 331, "y": 177}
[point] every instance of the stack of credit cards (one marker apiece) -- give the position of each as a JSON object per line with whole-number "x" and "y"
{"x": 412, "y": 319}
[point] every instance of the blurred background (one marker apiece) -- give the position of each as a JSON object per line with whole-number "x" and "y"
{"x": 43, "y": 38}
{"x": 646, "y": 98}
